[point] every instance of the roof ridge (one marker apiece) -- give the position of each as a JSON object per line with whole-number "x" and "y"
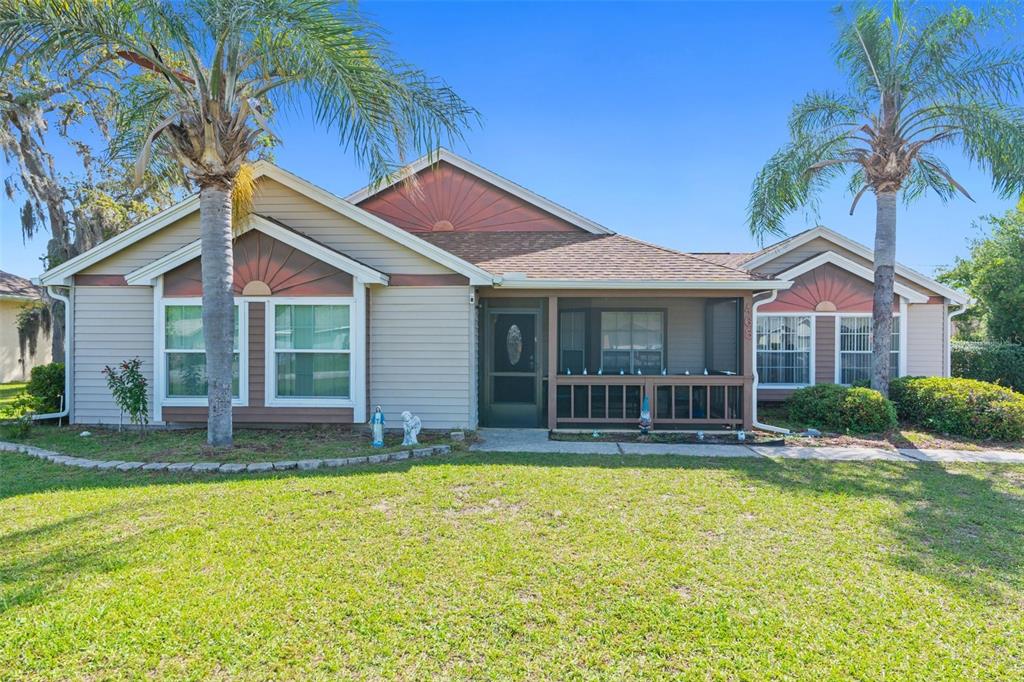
{"x": 690, "y": 255}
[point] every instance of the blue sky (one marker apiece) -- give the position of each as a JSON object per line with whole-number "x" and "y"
{"x": 651, "y": 119}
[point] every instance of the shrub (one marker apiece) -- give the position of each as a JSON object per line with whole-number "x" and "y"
{"x": 960, "y": 407}
{"x": 17, "y": 416}
{"x": 46, "y": 386}
{"x": 1000, "y": 363}
{"x": 128, "y": 388}
{"x": 840, "y": 408}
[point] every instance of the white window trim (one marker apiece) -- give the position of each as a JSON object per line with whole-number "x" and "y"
{"x": 161, "y": 399}
{"x": 357, "y": 353}
{"x": 900, "y": 318}
{"x": 814, "y": 335}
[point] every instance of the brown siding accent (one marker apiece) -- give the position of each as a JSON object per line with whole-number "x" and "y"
{"x": 100, "y": 280}
{"x": 770, "y": 395}
{"x": 936, "y": 299}
{"x": 258, "y": 257}
{"x": 448, "y": 199}
{"x": 826, "y": 283}
{"x": 257, "y": 358}
{"x": 265, "y": 415}
{"x": 825, "y": 349}
{"x": 427, "y": 280}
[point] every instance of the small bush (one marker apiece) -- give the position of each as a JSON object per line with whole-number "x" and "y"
{"x": 46, "y": 386}
{"x": 999, "y": 363}
{"x": 16, "y": 417}
{"x": 832, "y": 407}
{"x": 129, "y": 390}
{"x": 960, "y": 407}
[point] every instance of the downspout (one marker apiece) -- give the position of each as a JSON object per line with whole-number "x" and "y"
{"x": 66, "y": 398}
{"x": 949, "y": 334}
{"x": 753, "y": 364}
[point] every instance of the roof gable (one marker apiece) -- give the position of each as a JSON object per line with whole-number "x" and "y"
{"x": 446, "y": 198}
{"x": 555, "y": 213}
{"x": 61, "y": 275}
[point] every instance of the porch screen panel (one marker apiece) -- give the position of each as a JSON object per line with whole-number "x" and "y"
{"x": 632, "y": 341}
{"x": 784, "y": 349}
{"x": 855, "y": 339}
{"x": 312, "y": 348}
{"x": 572, "y": 335}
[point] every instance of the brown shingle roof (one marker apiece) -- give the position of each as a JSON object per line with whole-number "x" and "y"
{"x": 17, "y": 287}
{"x": 578, "y": 255}
{"x": 730, "y": 260}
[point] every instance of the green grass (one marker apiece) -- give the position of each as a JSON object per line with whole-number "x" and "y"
{"x": 251, "y": 445}
{"x": 516, "y": 566}
{"x": 8, "y": 392}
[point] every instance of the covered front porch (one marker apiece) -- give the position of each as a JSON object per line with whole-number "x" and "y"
{"x": 587, "y": 359}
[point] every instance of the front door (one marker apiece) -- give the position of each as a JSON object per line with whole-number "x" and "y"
{"x": 512, "y": 369}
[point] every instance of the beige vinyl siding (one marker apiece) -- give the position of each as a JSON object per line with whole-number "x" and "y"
{"x": 111, "y": 324}
{"x": 321, "y": 223}
{"x": 143, "y": 252}
{"x": 926, "y": 352}
{"x": 420, "y": 355}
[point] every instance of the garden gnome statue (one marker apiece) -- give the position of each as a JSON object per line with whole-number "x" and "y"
{"x": 412, "y": 425}
{"x": 645, "y": 415}
{"x": 377, "y": 426}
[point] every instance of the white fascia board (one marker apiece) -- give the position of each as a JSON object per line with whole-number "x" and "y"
{"x": 148, "y": 274}
{"x": 18, "y": 297}
{"x": 743, "y": 285}
{"x": 61, "y": 275}
{"x": 487, "y": 176}
{"x": 851, "y": 267}
{"x": 862, "y": 251}
{"x": 477, "y": 276}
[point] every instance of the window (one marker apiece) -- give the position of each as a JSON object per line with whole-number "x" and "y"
{"x": 784, "y": 349}
{"x": 312, "y": 352}
{"x": 854, "y": 364}
{"x": 632, "y": 341}
{"x": 185, "y": 354}
{"x": 572, "y": 336}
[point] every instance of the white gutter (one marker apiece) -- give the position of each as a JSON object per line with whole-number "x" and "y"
{"x": 753, "y": 353}
{"x": 949, "y": 334}
{"x": 66, "y": 398}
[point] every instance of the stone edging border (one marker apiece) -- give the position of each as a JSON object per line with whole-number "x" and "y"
{"x": 225, "y": 467}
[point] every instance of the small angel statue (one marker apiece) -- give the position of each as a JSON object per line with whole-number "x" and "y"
{"x": 412, "y": 425}
{"x": 377, "y": 426}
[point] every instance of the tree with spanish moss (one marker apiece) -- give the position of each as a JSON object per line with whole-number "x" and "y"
{"x": 211, "y": 74}
{"x": 920, "y": 81}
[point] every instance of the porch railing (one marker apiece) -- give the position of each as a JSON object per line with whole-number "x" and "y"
{"x": 680, "y": 401}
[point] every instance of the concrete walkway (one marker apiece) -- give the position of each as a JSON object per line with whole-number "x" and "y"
{"x": 537, "y": 441}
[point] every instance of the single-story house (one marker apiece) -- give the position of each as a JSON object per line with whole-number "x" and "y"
{"x": 469, "y": 300}
{"x": 15, "y": 364}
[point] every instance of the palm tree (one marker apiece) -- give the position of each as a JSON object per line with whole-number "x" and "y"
{"x": 210, "y": 74}
{"x": 919, "y": 81}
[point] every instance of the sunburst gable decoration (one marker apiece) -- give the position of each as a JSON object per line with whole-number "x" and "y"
{"x": 448, "y": 199}
{"x": 827, "y": 288}
{"x": 265, "y": 266}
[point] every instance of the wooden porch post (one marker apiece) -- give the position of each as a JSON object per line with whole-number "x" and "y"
{"x": 552, "y": 329}
{"x": 747, "y": 360}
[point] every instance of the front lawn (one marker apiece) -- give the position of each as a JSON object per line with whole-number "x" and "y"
{"x": 8, "y": 392}
{"x": 516, "y": 566}
{"x": 189, "y": 445}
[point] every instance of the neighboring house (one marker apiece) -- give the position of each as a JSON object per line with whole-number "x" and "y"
{"x": 469, "y": 300}
{"x": 15, "y": 293}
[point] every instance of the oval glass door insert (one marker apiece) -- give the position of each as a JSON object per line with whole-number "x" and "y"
{"x": 514, "y": 344}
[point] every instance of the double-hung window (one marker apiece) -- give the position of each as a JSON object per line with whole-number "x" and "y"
{"x": 632, "y": 341}
{"x": 185, "y": 353}
{"x": 854, "y": 362}
{"x": 312, "y": 346}
{"x": 784, "y": 349}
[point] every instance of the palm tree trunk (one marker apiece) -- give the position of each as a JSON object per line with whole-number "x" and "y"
{"x": 885, "y": 272}
{"x": 218, "y": 307}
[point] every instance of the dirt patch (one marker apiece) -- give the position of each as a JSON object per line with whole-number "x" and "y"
{"x": 491, "y": 506}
